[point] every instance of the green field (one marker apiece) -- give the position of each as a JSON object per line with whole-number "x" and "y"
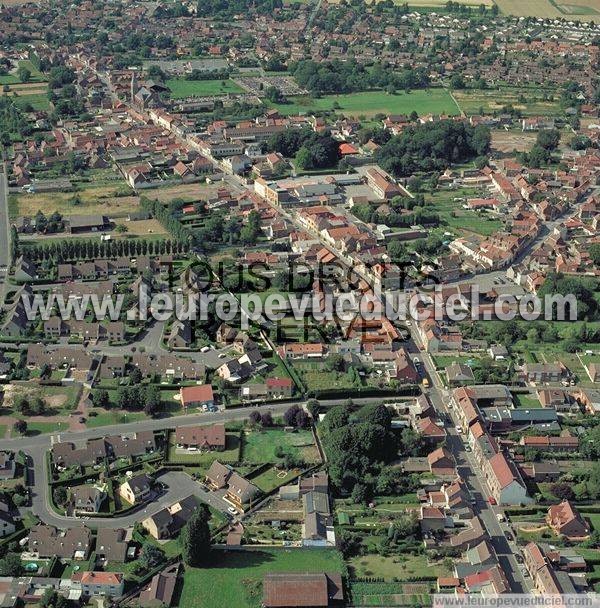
{"x": 431, "y": 101}
{"x": 201, "y": 88}
{"x": 37, "y": 102}
{"x": 463, "y": 220}
{"x": 234, "y": 578}
{"x": 529, "y": 100}
{"x": 112, "y": 418}
{"x": 261, "y": 446}
{"x": 397, "y": 567}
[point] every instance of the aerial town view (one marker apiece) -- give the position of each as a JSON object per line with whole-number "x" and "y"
{"x": 300, "y": 303}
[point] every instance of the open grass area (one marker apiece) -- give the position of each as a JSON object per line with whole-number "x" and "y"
{"x": 397, "y": 567}
{"x": 464, "y": 221}
{"x": 272, "y": 478}
{"x": 235, "y": 578}
{"x": 110, "y": 418}
{"x": 37, "y": 428}
{"x": 529, "y": 101}
{"x": 430, "y": 101}
{"x": 202, "y": 88}
{"x": 263, "y": 446}
{"x": 90, "y": 200}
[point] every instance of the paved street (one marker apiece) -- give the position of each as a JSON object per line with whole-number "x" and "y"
{"x": 178, "y": 485}
{"x": 4, "y": 232}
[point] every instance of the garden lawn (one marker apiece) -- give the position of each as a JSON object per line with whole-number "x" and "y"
{"x": 202, "y": 88}
{"x": 593, "y": 518}
{"x": 397, "y": 567}
{"x": 526, "y": 401}
{"x": 261, "y": 446}
{"x": 430, "y": 101}
{"x": 234, "y": 578}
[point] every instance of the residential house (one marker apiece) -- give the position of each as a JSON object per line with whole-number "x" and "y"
{"x": 565, "y": 520}
{"x": 47, "y": 541}
{"x": 167, "y": 522}
{"x": 459, "y": 373}
{"x": 136, "y": 489}
{"x": 202, "y": 438}
{"x": 160, "y": 591}
{"x": 107, "y": 584}
{"x": 198, "y": 396}
{"x": 112, "y": 545}
{"x": 87, "y": 499}
{"x": 294, "y": 590}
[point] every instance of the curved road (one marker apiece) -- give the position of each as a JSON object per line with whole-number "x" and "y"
{"x": 178, "y": 485}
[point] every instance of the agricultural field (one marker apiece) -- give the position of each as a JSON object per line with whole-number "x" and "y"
{"x": 431, "y": 101}
{"x": 181, "y": 89}
{"x": 529, "y": 101}
{"x": 234, "y": 578}
{"x": 583, "y": 10}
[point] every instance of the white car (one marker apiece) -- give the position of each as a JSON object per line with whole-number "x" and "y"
{"x": 458, "y": 429}
{"x": 232, "y": 510}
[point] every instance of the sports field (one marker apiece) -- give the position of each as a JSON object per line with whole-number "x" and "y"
{"x": 432, "y": 101}
{"x": 585, "y": 10}
{"x": 201, "y": 88}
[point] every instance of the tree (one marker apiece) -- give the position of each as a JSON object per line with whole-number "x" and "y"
{"x": 594, "y": 251}
{"x": 151, "y": 555}
{"x": 152, "y": 400}
{"x": 457, "y": 82}
{"x": 548, "y": 139}
{"x": 562, "y": 491}
{"x": 289, "y": 416}
{"x": 335, "y": 418}
{"x": 195, "y": 538}
{"x": 24, "y": 74}
{"x": 101, "y": 399}
{"x": 254, "y": 417}
{"x": 60, "y": 496}
{"x": 266, "y": 419}
{"x": 20, "y": 426}
{"x": 11, "y": 565}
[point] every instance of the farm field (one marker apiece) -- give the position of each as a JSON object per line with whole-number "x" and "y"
{"x": 531, "y": 104}
{"x": 431, "y": 101}
{"x": 585, "y": 10}
{"x": 235, "y": 578}
{"x": 201, "y": 88}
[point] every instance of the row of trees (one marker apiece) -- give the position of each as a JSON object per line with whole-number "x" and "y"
{"x": 136, "y": 397}
{"x": 75, "y": 249}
